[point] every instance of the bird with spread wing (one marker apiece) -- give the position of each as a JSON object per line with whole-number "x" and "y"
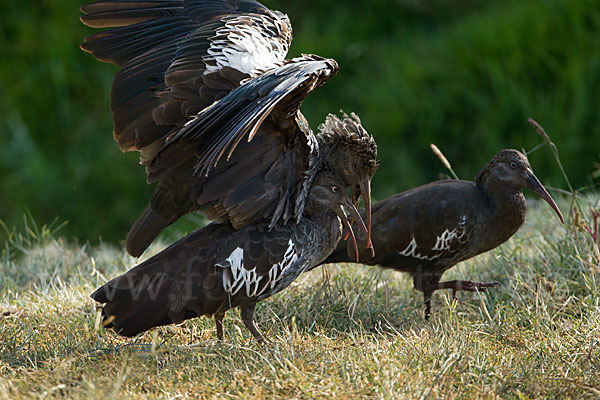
{"x": 206, "y": 95}
{"x": 218, "y": 267}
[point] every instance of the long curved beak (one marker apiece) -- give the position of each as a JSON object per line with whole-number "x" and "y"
{"x": 347, "y": 204}
{"x": 365, "y": 193}
{"x": 534, "y": 184}
{"x": 354, "y": 196}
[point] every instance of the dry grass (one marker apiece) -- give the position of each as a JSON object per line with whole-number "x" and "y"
{"x": 343, "y": 331}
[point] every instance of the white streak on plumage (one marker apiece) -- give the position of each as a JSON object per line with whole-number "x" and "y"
{"x": 249, "y": 44}
{"x": 411, "y": 251}
{"x": 278, "y": 270}
{"x": 241, "y": 277}
{"x": 442, "y": 243}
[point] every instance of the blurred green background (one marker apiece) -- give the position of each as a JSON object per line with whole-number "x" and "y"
{"x": 463, "y": 74}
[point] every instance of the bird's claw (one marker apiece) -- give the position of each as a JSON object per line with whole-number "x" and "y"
{"x": 470, "y": 286}
{"x": 466, "y": 286}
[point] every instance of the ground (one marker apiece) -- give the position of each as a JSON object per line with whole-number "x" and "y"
{"x": 343, "y": 331}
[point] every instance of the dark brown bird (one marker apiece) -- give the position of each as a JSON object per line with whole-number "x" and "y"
{"x": 427, "y": 230}
{"x": 220, "y": 267}
{"x": 207, "y": 97}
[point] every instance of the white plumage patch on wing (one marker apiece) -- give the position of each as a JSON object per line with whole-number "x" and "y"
{"x": 278, "y": 270}
{"x": 249, "y": 43}
{"x": 442, "y": 243}
{"x": 241, "y": 277}
{"x": 444, "y": 240}
{"x": 411, "y": 251}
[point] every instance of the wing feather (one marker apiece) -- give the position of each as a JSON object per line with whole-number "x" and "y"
{"x": 259, "y": 261}
{"x": 408, "y": 232}
{"x": 218, "y": 129}
{"x": 161, "y": 44}
{"x": 204, "y": 87}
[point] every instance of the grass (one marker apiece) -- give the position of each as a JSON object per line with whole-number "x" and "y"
{"x": 343, "y": 331}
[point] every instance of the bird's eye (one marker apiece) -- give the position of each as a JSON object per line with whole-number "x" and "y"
{"x": 334, "y": 188}
{"x": 513, "y": 164}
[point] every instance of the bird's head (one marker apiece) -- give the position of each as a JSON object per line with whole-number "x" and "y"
{"x": 511, "y": 169}
{"x": 329, "y": 193}
{"x": 351, "y": 152}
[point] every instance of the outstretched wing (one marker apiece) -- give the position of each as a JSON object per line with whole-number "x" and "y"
{"x": 178, "y": 57}
{"x": 218, "y": 129}
{"x": 266, "y": 175}
{"x": 178, "y": 99}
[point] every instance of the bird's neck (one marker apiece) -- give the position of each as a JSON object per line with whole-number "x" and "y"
{"x": 324, "y": 230}
{"x": 506, "y": 207}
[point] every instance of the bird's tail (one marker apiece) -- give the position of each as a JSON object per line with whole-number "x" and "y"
{"x": 145, "y": 229}
{"x": 146, "y": 296}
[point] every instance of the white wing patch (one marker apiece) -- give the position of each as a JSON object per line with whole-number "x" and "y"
{"x": 250, "y": 43}
{"x": 241, "y": 277}
{"x": 442, "y": 242}
{"x": 278, "y": 270}
{"x": 411, "y": 251}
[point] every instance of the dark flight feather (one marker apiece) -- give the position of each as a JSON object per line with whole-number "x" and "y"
{"x": 181, "y": 105}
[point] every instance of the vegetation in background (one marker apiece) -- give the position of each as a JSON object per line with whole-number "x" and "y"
{"x": 463, "y": 74}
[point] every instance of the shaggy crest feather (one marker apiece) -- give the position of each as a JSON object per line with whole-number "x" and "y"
{"x": 348, "y": 131}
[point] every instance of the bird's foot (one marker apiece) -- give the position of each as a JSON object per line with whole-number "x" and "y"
{"x": 467, "y": 286}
